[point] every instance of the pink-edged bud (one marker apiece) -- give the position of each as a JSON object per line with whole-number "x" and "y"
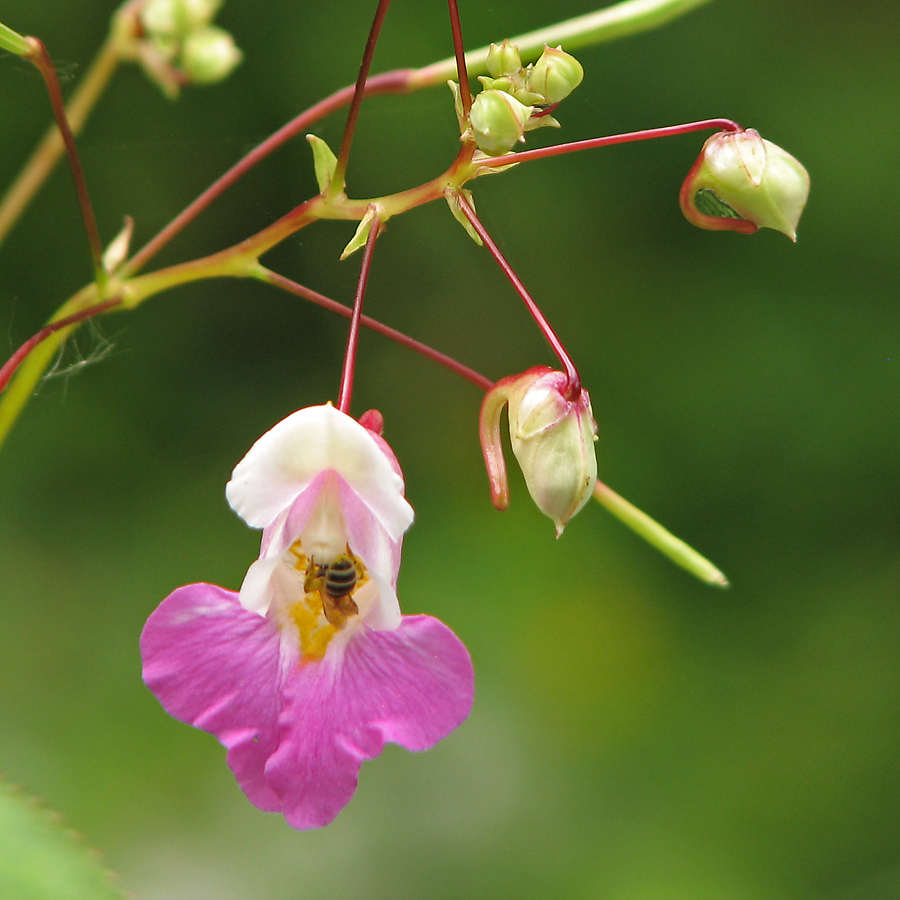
{"x": 555, "y": 75}
{"x": 498, "y": 121}
{"x": 741, "y": 182}
{"x": 552, "y": 438}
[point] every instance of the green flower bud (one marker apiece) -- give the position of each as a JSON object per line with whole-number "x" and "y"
{"x": 209, "y": 55}
{"x": 503, "y": 59}
{"x": 175, "y": 19}
{"x": 552, "y": 437}
{"x": 555, "y": 75}
{"x": 502, "y": 83}
{"x": 497, "y": 121}
{"x": 741, "y": 182}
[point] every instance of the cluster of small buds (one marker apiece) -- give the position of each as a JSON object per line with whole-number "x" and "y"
{"x": 515, "y": 99}
{"x": 741, "y": 182}
{"x": 178, "y": 45}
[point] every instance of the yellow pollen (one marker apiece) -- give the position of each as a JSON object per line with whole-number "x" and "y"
{"x": 319, "y": 615}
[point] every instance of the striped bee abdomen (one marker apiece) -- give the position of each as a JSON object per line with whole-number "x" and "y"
{"x": 340, "y": 577}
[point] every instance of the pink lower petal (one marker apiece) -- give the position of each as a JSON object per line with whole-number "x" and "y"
{"x": 216, "y": 666}
{"x": 412, "y": 686}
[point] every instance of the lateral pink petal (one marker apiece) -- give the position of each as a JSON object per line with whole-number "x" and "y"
{"x": 412, "y": 686}
{"x": 216, "y": 666}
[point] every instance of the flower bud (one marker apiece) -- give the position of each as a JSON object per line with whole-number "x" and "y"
{"x": 175, "y": 19}
{"x": 555, "y": 75}
{"x": 209, "y": 55}
{"x": 552, "y": 437}
{"x": 498, "y": 121}
{"x": 741, "y": 182}
{"x": 503, "y": 59}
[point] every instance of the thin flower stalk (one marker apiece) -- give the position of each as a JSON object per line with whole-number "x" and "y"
{"x": 12, "y": 364}
{"x": 241, "y": 260}
{"x": 459, "y": 50}
{"x": 616, "y": 21}
{"x": 346, "y": 391}
{"x": 574, "y": 379}
{"x": 44, "y": 64}
{"x": 337, "y": 181}
{"x": 448, "y": 362}
{"x": 610, "y": 140}
{"x": 47, "y": 154}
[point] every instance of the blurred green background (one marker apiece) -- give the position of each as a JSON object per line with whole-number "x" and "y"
{"x": 636, "y": 735}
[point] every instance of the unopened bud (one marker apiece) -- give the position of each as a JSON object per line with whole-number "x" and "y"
{"x": 498, "y": 121}
{"x": 555, "y": 75}
{"x": 741, "y": 182}
{"x": 552, "y": 438}
{"x": 175, "y": 19}
{"x": 503, "y": 59}
{"x": 209, "y": 55}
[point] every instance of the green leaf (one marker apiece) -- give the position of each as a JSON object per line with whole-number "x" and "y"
{"x": 453, "y": 202}
{"x": 362, "y": 232}
{"x": 324, "y": 160}
{"x": 40, "y": 859}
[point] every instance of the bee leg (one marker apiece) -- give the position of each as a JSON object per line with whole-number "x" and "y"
{"x": 314, "y": 579}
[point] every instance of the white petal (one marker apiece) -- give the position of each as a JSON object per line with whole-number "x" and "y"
{"x": 379, "y": 608}
{"x": 256, "y": 590}
{"x": 287, "y": 458}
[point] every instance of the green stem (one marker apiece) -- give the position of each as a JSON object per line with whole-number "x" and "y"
{"x": 621, "y": 20}
{"x": 654, "y": 534}
{"x": 47, "y": 154}
{"x": 32, "y": 369}
{"x": 12, "y": 42}
{"x": 629, "y": 17}
{"x": 359, "y": 89}
{"x": 44, "y": 64}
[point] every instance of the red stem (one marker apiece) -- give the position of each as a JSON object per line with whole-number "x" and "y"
{"x": 41, "y": 59}
{"x": 559, "y": 149}
{"x": 396, "y": 82}
{"x": 337, "y": 180}
{"x": 448, "y": 362}
{"x": 459, "y": 49}
{"x": 353, "y": 338}
{"x": 13, "y": 363}
{"x": 574, "y": 379}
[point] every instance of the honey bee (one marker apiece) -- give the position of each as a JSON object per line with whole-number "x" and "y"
{"x": 335, "y": 583}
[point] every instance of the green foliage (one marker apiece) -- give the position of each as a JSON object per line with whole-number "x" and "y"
{"x": 40, "y": 859}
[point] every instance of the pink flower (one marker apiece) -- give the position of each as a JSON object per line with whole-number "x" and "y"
{"x": 311, "y": 668}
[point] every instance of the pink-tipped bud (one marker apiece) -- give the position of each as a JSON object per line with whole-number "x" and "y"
{"x": 552, "y": 438}
{"x": 741, "y": 182}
